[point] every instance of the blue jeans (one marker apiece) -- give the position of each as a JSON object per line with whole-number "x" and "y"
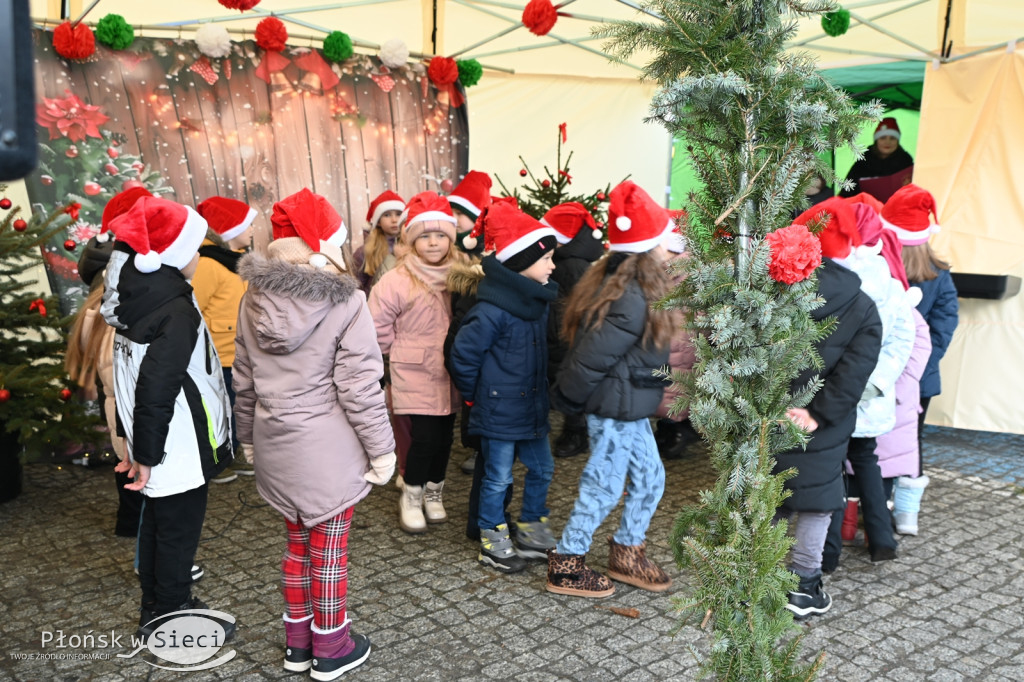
{"x": 618, "y": 449}
{"x": 498, "y": 456}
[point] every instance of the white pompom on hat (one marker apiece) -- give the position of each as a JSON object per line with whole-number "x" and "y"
{"x": 636, "y": 224}
{"x": 161, "y": 232}
{"x": 227, "y": 217}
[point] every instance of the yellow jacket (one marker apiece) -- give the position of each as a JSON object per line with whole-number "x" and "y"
{"x": 218, "y": 293}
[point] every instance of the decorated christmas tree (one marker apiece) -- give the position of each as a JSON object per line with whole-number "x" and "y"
{"x": 755, "y": 118}
{"x": 539, "y": 194}
{"x": 36, "y": 406}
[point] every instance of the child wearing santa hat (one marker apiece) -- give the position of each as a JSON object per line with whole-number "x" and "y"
{"x": 171, "y": 401}
{"x": 617, "y": 343}
{"x": 377, "y": 254}
{"x": 411, "y": 309}
{"x": 579, "y": 245}
{"x": 469, "y": 198}
{"x": 499, "y": 364}
{"x": 219, "y": 290}
{"x": 311, "y": 412}
{"x": 908, "y": 215}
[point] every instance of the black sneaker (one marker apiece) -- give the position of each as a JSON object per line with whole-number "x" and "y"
{"x": 570, "y": 444}
{"x": 496, "y": 550}
{"x": 809, "y": 599}
{"x": 150, "y": 619}
{"x": 333, "y": 668}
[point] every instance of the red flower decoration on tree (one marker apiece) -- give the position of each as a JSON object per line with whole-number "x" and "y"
{"x": 442, "y": 71}
{"x": 72, "y": 209}
{"x": 240, "y": 5}
{"x": 796, "y": 253}
{"x": 539, "y": 16}
{"x": 76, "y": 42}
{"x": 70, "y": 117}
{"x": 271, "y": 34}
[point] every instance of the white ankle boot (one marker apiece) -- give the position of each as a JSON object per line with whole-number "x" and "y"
{"x": 410, "y": 509}
{"x": 433, "y": 505}
{"x": 907, "y": 503}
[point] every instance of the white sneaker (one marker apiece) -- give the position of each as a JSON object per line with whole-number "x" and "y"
{"x": 433, "y": 505}
{"x": 410, "y": 509}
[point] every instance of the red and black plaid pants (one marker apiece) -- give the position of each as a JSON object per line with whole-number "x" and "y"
{"x": 314, "y": 571}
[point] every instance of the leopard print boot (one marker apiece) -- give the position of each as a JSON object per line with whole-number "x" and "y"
{"x": 629, "y": 564}
{"x": 569, "y": 574}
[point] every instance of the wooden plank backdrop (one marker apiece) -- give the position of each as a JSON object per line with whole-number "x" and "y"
{"x": 243, "y": 138}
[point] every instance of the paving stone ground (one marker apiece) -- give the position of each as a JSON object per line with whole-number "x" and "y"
{"x": 950, "y": 608}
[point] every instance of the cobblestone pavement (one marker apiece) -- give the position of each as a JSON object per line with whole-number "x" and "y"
{"x": 950, "y": 608}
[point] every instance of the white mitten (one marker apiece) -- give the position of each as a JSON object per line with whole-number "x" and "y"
{"x": 381, "y": 469}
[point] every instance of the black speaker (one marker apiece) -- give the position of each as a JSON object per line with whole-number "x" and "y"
{"x": 17, "y": 92}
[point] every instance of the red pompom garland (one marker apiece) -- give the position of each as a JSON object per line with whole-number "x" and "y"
{"x": 539, "y": 16}
{"x": 442, "y": 71}
{"x": 271, "y": 34}
{"x": 240, "y": 5}
{"x": 75, "y": 43}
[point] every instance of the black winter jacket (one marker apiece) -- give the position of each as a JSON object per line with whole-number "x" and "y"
{"x": 571, "y": 261}
{"x": 849, "y": 355}
{"x": 610, "y": 371}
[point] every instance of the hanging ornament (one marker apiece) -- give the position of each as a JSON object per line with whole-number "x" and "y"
{"x": 394, "y": 53}
{"x": 836, "y": 23}
{"x": 444, "y": 73}
{"x": 600, "y": 196}
{"x": 113, "y": 153}
{"x": 271, "y": 36}
{"x": 470, "y": 72}
{"x": 203, "y": 69}
{"x": 92, "y": 188}
{"x": 539, "y": 16}
{"x": 65, "y": 394}
{"x": 72, "y": 209}
{"x": 546, "y": 183}
{"x": 114, "y": 32}
{"x": 38, "y": 304}
{"x": 240, "y": 5}
{"x": 70, "y": 244}
{"x": 5, "y": 203}
{"x": 75, "y": 43}
{"x": 446, "y": 185}
{"x": 71, "y": 152}
{"x": 111, "y": 169}
{"x": 20, "y": 225}
{"x": 338, "y": 46}
{"x": 213, "y": 41}
{"x": 383, "y": 80}
{"x": 5, "y": 395}
{"x": 319, "y": 76}
{"x": 46, "y": 180}
{"x": 522, "y": 172}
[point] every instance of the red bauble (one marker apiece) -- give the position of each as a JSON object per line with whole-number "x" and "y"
{"x": 5, "y": 203}
{"x": 70, "y": 244}
{"x": 522, "y": 172}
{"x": 138, "y": 165}
{"x": 600, "y": 196}
{"x": 20, "y": 225}
{"x": 72, "y": 152}
{"x": 271, "y": 34}
{"x": 5, "y": 395}
{"x": 113, "y": 153}
{"x": 46, "y": 180}
{"x": 65, "y": 394}
{"x": 546, "y": 183}
{"x": 240, "y": 5}
{"x": 446, "y": 185}
{"x": 129, "y": 184}
{"x": 111, "y": 169}
{"x": 91, "y": 189}
{"x": 74, "y": 43}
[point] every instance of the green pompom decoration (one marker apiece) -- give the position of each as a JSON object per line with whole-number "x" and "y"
{"x": 470, "y": 71}
{"x": 836, "y": 23}
{"x": 114, "y": 32}
{"x": 338, "y": 46}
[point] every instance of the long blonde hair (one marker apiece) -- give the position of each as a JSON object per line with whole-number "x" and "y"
{"x": 375, "y": 250}
{"x": 921, "y": 263}
{"x": 593, "y": 295}
{"x": 79, "y": 361}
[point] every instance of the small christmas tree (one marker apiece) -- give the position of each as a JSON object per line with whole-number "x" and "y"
{"x": 36, "y": 405}
{"x": 540, "y": 194}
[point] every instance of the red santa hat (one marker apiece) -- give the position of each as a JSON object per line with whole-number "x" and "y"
{"x": 473, "y": 194}
{"x": 310, "y": 217}
{"x": 887, "y": 127}
{"x": 161, "y": 232}
{"x": 428, "y": 212}
{"x": 227, "y": 217}
{"x": 385, "y": 201}
{"x": 118, "y": 205}
{"x": 907, "y": 214}
{"x": 636, "y": 224}
{"x": 840, "y": 235}
{"x": 568, "y": 219}
{"x": 509, "y": 231}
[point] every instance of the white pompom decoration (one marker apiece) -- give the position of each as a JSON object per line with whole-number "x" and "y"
{"x": 469, "y": 243}
{"x": 597, "y": 234}
{"x": 213, "y": 40}
{"x": 623, "y": 223}
{"x": 103, "y": 238}
{"x": 394, "y": 53}
{"x": 914, "y": 296}
{"x": 318, "y": 261}
{"x": 147, "y": 262}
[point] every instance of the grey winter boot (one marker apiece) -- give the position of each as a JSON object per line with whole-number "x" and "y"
{"x": 907, "y": 503}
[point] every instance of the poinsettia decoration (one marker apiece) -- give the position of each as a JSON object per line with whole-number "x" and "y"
{"x": 795, "y": 254}
{"x": 70, "y": 117}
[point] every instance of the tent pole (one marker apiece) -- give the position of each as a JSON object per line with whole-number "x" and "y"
{"x": 865, "y": 53}
{"x": 884, "y": 31}
{"x": 518, "y": 8}
{"x": 990, "y": 48}
{"x": 819, "y": 36}
{"x": 256, "y": 12}
{"x": 526, "y": 48}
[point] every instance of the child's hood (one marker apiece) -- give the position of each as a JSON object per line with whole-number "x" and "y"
{"x": 464, "y": 278}
{"x": 287, "y": 301}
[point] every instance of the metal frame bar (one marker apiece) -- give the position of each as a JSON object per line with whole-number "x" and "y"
{"x": 884, "y": 31}
{"x": 983, "y": 50}
{"x": 819, "y": 36}
{"x": 518, "y": 8}
{"x": 267, "y": 13}
{"x": 865, "y": 53}
{"x": 526, "y": 48}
